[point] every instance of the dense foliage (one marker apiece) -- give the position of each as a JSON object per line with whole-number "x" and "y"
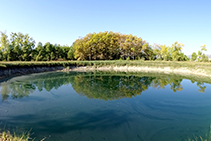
{"x": 21, "y": 47}
{"x": 95, "y": 46}
{"x": 110, "y": 45}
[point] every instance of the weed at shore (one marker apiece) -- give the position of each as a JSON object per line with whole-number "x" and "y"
{"x": 7, "y": 136}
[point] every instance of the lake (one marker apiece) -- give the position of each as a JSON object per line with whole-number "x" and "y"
{"x": 108, "y": 106}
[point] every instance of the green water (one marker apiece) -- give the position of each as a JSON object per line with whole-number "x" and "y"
{"x": 106, "y": 106}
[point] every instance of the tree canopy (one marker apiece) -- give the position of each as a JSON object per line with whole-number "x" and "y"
{"x": 21, "y": 47}
{"x": 94, "y": 46}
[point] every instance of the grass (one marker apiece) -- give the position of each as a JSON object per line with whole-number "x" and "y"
{"x": 204, "y": 67}
{"x": 107, "y": 63}
{"x": 7, "y": 136}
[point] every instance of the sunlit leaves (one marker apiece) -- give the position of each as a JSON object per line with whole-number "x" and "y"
{"x": 107, "y": 46}
{"x": 203, "y": 47}
{"x": 176, "y": 50}
{"x": 173, "y": 53}
{"x": 201, "y": 56}
{"x": 94, "y": 46}
{"x": 4, "y": 47}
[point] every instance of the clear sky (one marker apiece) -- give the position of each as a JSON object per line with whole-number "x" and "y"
{"x": 156, "y": 21}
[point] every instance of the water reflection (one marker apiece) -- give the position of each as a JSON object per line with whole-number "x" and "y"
{"x": 55, "y": 108}
{"x": 105, "y": 86}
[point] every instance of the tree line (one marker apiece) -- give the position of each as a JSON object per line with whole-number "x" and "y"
{"x": 21, "y": 47}
{"x": 94, "y": 46}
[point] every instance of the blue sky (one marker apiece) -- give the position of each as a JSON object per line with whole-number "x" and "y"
{"x": 156, "y": 21}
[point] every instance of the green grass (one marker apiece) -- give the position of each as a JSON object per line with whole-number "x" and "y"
{"x": 106, "y": 63}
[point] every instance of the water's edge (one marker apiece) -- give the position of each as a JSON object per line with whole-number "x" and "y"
{"x": 17, "y": 71}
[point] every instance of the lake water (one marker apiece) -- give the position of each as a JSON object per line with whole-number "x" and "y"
{"x": 99, "y": 106}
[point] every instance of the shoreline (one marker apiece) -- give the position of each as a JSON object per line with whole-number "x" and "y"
{"x": 11, "y": 72}
{"x": 18, "y": 71}
{"x": 146, "y": 69}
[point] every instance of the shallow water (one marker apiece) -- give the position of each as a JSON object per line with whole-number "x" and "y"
{"x": 106, "y": 106}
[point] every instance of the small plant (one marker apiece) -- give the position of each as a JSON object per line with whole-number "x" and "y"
{"x": 7, "y": 136}
{"x": 142, "y": 59}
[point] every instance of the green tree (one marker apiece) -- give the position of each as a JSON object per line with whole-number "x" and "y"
{"x": 39, "y": 53}
{"x": 27, "y": 47}
{"x": 109, "y": 45}
{"x": 70, "y": 54}
{"x": 194, "y": 56}
{"x": 165, "y": 52}
{"x": 201, "y": 55}
{"x": 157, "y": 51}
{"x": 65, "y": 50}
{"x": 176, "y": 50}
{"x": 49, "y": 50}
{"x": 183, "y": 57}
{"x": 4, "y": 47}
{"x": 22, "y": 46}
{"x": 204, "y": 58}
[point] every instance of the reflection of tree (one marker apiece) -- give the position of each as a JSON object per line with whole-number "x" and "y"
{"x": 93, "y": 85}
{"x": 200, "y": 85}
{"x": 110, "y": 87}
{"x": 17, "y": 90}
{"x": 21, "y": 90}
{"x": 4, "y": 92}
{"x": 162, "y": 82}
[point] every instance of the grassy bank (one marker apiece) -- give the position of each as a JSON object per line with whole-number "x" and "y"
{"x": 192, "y": 66}
{"x": 172, "y": 64}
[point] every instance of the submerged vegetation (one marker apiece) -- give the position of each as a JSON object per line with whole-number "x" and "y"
{"x": 94, "y": 46}
{"x": 206, "y": 138}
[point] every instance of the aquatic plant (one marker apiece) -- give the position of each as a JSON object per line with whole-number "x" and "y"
{"x": 206, "y": 138}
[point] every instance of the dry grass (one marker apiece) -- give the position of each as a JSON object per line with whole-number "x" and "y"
{"x": 202, "y": 66}
{"x": 7, "y": 136}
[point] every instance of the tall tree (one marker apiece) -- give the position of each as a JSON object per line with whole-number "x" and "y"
{"x": 39, "y": 52}
{"x": 4, "y": 47}
{"x": 176, "y": 50}
{"x": 49, "y": 48}
{"x": 70, "y": 54}
{"x": 22, "y": 46}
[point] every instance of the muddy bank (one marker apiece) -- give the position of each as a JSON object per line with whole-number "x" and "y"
{"x": 166, "y": 70}
{"x": 16, "y": 71}
{"x": 4, "y": 73}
